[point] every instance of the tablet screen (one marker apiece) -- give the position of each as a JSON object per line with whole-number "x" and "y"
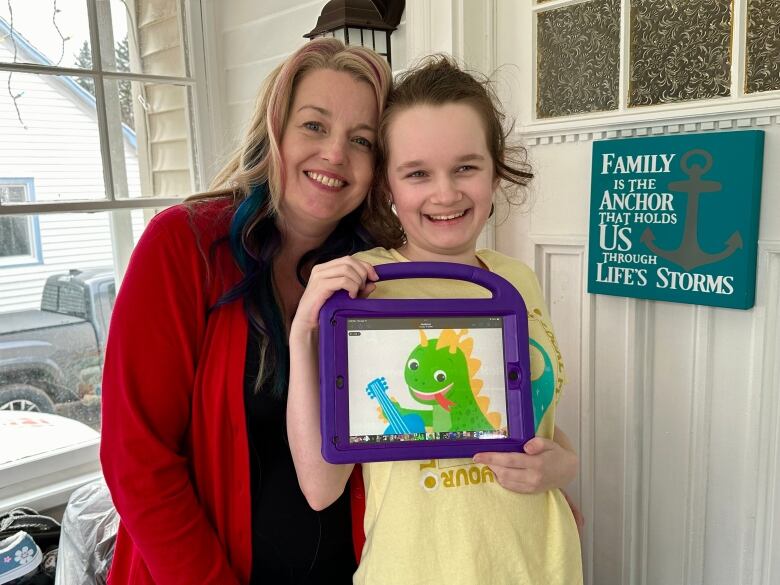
{"x": 418, "y": 379}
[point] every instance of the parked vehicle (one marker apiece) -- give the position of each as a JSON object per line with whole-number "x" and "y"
{"x": 53, "y": 356}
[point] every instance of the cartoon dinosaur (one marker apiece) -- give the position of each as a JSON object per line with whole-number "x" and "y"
{"x": 440, "y": 373}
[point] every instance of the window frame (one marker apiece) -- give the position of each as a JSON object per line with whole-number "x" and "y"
{"x": 738, "y": 104}
{"x": 33, "y": 227}
{"x": 193, "y": 45}
{"x": 47, "y": 481}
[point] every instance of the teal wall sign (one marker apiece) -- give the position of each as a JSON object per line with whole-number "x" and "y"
{"x": 675, "y": 218}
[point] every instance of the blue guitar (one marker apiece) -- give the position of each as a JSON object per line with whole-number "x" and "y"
{"x": 399, "y": 424}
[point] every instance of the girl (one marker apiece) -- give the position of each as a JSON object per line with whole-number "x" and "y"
{"x": 443, "y": 153}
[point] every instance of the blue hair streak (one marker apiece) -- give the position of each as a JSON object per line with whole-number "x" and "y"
{"x": 255, "y": 253}
{"x": 245, "y": 212}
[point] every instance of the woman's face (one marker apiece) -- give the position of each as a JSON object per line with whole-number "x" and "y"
{"x": 440, "y": 174}
{"x": 327, "y": 151}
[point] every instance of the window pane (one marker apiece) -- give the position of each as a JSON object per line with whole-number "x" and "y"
{"x": 680, "y": 51}
{"x": 18, "y": 235}
{"x": 43, "y": 36}
{"x": 380, "y": 42}
{"x": 49, "y": 132}
{"x": 12, "y": 193}
{"x": 49, "y": 318}
{"x": 355, "y": 36}
{"x": 578, "y": 52}
{"x": 157, "y": 147}
{"x": 763, "y": 46}
{"x": 15, "y": 237}
{"x": 54, "y": 316}
{"x": 143, "y": 37}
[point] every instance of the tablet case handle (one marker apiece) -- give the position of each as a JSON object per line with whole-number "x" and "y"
{"x": 448, "y": 270}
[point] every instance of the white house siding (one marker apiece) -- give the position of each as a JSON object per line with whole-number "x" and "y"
{"x": 167, "y": 127}
{"x": 60, "y": 151}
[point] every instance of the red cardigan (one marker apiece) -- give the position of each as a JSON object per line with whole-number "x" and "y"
{"x": 174, "y": 446}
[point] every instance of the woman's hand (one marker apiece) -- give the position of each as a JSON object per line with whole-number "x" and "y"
{"x": 347, "y": 273}
{"x": 544, "y": 465}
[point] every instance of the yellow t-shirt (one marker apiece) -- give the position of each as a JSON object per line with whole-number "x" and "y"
{"x": 449, "y": 521}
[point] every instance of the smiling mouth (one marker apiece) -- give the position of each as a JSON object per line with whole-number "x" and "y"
{"x": 448, "y": 217}
{"x": 331, "y": 182}
{"x": 431, "y": 395}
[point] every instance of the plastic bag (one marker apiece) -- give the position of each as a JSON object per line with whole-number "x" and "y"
{"x": 89, "y": 528}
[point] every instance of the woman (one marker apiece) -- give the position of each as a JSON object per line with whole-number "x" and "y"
{"x": 187, "y": 367}
{"x": 194, "y": 445}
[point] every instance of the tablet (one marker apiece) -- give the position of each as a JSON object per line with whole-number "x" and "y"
{"x": 425, "y": 378}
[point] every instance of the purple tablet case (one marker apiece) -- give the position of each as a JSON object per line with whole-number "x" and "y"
{"x": 429, "y": 432}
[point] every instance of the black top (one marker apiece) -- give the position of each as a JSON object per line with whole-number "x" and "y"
{"x": 291, "y": 543}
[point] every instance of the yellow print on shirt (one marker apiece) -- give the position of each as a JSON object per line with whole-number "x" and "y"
{"x": 535, "y": 316}
{"x": 546, "y": 373}
{"x": 435, "y": 474}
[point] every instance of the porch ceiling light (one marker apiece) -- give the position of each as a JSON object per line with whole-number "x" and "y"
{"x": 367, "y": 23}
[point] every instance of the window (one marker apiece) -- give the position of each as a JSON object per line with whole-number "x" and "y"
{"x": 19, "y": 236}
{"x": 618, "y": 55}
{"x": 101, "y": 110}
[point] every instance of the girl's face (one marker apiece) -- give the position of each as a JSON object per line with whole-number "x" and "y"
{"x": 327, "y": 151}
{"x": 440, "y": 173}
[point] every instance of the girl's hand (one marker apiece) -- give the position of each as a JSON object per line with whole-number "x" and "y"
{"x": 544, "y": 465}
{"x": 347, "y": 273}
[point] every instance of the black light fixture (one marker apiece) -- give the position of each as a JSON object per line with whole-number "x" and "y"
{"x": 367, "y": 23}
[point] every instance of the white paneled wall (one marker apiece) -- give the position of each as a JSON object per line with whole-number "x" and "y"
{"x": 676, "y": 409}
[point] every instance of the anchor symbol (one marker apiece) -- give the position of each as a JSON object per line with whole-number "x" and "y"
{"x": 689, "y": 254}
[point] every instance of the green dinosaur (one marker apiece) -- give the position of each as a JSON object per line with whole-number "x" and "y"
{"x": 440, "y": 374}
